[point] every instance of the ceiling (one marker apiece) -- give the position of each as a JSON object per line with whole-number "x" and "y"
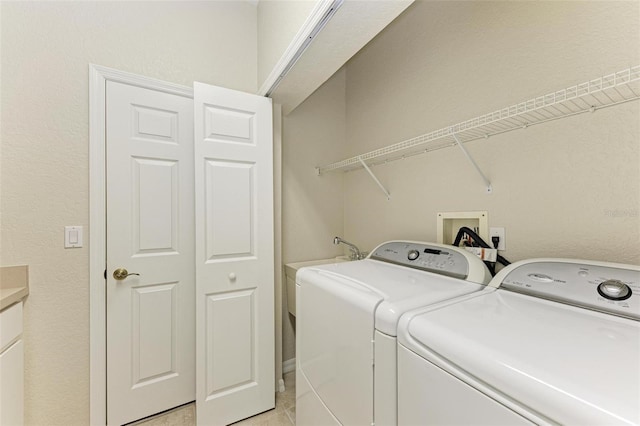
{"x": 354, "y": 24}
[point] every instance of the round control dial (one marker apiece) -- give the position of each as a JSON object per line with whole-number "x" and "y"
{"x": 413, "y": 254}
{"x": 614, "y": 290}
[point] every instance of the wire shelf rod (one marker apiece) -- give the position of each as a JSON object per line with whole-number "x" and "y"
{"x": 609, "y": 97}
{"x": 476, "y": 133}
{"x": 447, "y": 145}
{"x": 555, "y": 108}
{"x": 575, "y": 103}
{"x": 613, "y": 89}
{"x": 618, "y": 92}
{"x": 566, "y": 109}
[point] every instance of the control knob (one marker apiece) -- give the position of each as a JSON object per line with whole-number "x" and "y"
{"x": 614, "y": 290}
{"x": 413, "y": 254}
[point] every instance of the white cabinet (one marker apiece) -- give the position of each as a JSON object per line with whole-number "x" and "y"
{"x": 11, "y": 366}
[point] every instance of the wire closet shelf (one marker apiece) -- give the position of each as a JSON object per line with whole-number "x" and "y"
{"x": 613, "y": 89}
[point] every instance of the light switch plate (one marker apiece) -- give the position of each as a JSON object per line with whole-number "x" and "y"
{"x": 72, "y": 236}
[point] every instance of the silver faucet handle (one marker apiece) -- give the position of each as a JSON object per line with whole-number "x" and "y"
{"x": 357, "y": 255}
{"x": 354, "y": 254}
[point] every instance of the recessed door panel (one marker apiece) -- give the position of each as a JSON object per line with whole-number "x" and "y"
{"x": 155, "y": 124}
{"x": 228, "y": 125}
{"x": 235, "y": 366}
{"x": 154, "y": 332}
{"x": 155, "y": 210}
{"x": 230, "y": 211}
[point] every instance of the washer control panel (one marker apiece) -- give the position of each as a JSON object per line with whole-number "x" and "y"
{"x": 611, "y": 289}
{"x": 432, "y": 258}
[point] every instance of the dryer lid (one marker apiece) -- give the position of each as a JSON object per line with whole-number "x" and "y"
{"x": 572, "y": 365}
{"x": 398, "y": 289}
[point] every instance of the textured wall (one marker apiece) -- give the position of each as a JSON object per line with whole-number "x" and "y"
{"x": 46, "y": 49}
{"x": 312, "y": 206}
{"x": 569, "y": 188}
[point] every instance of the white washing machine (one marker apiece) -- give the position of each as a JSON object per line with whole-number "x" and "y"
{"x": 347, "y": 316}
{"x": 558, "y": 342}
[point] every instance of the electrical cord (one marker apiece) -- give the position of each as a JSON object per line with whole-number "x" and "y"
{"x": 478, "y": 240}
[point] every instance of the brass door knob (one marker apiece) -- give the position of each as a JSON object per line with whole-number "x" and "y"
{"x": 121, "y": 273}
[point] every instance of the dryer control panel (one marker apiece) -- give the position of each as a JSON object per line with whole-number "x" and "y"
{"x": 613, "y": 289}
{"x": 443, "y": 260}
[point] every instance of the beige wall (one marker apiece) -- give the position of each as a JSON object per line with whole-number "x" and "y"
{"x": 568, "y": 188}
{"x": 278, "y": 23}
{"x": 46, "y": 49}
{"x": 312, "y": 206}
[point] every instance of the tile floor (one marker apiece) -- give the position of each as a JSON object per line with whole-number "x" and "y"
{"x": 283, "y": 415}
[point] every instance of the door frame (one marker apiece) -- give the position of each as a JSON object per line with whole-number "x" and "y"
{"x": 98, "y": 77}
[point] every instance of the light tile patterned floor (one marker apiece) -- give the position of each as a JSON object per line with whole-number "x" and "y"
{"x": 184, "y": 415}
{"x": 283, "y": 415}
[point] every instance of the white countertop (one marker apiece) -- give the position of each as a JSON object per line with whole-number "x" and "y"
{"x": 14, "y": 284}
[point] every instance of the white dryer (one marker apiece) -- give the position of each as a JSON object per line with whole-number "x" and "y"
{"x": 558, "y": 342}
{"x": 347, "y": 316}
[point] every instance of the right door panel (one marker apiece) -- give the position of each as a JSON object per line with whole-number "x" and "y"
{"x": 234, "y": 255}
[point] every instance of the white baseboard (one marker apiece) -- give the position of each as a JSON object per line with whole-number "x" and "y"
{"x": 288, "y": 366}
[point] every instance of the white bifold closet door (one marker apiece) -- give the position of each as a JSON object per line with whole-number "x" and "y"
{"x": 198, "y": 320}
{"x": 234, "y": 255}
{"x": 150, "y": 232}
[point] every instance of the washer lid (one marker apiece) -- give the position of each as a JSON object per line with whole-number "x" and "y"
{"x": 399, "y": 289}
{"x": 571, "y": 365}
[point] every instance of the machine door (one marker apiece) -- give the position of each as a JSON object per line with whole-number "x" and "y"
{"x": 336, "y": 331}
{"x": 425, "y": 397}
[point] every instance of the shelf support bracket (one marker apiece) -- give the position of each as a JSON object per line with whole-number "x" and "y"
{"x": 470, "y": 158}
{"x": 375, "y": 179}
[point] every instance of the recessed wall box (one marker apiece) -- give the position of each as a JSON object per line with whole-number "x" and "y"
{"x": 450, "y": 222}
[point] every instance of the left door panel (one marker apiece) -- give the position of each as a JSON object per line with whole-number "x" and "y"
{"x": 150, "y": 232}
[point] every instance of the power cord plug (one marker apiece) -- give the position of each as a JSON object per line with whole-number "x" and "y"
{"x": 496, "y": 241}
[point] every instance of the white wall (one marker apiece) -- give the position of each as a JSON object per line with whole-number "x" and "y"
{"x": 45, "y": 51}
{"x": 312, "y": 206}
{"x": 278, "y": 23}
{"x": 569, "y": 188}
